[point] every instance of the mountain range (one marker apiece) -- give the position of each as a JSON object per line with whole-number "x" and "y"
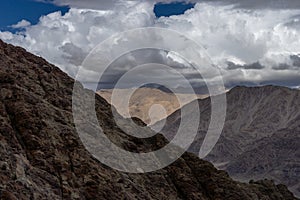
{"x": 260, "y": 138}
{"x": 42, "y": 156}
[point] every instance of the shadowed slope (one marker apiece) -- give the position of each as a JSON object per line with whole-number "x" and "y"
{"x": 261, "y": 136}
{"x": 42, "y": 157}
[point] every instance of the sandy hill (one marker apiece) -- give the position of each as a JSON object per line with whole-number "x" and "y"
{"x": 144, "y": 102}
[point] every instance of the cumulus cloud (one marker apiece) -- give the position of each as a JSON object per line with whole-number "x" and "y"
{"x": 252, "y": 43}
{"x": 6, "y": 36}
{"x": 254, "y": 40}
{"x": 21, "y": 24}
{"x": 66, "y": 39}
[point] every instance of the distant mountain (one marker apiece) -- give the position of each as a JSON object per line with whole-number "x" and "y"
{"x": 42, "y": 157}
{"x": 261, "y": 136}
{"x": 157, "y": 86}
{"x": 144, "y": 98}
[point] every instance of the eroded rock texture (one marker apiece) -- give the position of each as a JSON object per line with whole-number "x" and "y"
{"x": 42, "y": 157}
{"x": 261, "y": 134}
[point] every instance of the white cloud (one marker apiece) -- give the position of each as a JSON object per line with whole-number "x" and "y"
{"x": 21, "y": 24}
{"x": 6, "y": 36}
{"x": 59, "y": 38}
{"x": 238, "y": 35}
{"x": 244, "y": 36}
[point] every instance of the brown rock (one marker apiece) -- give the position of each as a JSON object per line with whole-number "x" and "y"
{"x": 47, "y": 160}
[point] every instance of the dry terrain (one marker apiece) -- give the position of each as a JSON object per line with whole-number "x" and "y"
{"x": 261, "y": 135}
{"x": 148, "y": 104}
{"x": 42, "y": 156}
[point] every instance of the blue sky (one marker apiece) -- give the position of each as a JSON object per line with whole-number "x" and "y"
{"x": 13, "y": 11}
{"x": 167, "y": 10}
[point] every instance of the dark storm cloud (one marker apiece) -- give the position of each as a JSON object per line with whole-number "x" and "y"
{"x": 294, "y": 22}
{"x": 129, "y": 61}
{"x": 294, "y": 65}
{"x": 282, "y": 66}
{"x": 256, "y": 65}
{"x": 296, "y": 60}
{"x": 140, "y": 57}
{"x": 73, "y": 54}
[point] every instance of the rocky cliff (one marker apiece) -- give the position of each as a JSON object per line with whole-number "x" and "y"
{"x": 42, "y": 157}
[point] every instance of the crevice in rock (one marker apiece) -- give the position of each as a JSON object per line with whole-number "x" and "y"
{"x": 71, "y": 162}
{"x": 61, "y": 187}
{"x": 15, "y": 128}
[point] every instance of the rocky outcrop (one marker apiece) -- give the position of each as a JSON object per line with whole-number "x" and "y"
{"x": 42, "y": 157}
{"x": 261, "y": 135}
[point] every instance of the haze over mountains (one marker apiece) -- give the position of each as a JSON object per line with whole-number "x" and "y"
{"x": 42, "y": 157}
{"x": 261, "y": 135}
{"x": 142, "y": 101}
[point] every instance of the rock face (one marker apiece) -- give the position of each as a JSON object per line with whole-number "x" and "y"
{"x": 142, "y": 102}
{"x": 42, "y": 157}
{"x": 261, "y": 136}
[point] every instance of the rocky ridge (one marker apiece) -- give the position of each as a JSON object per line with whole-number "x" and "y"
{"x": 261, "y": 135}
{"x": 42, "y": 157}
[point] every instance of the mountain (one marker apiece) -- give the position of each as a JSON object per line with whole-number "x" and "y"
{"x": 42, "y": 156}
{"x": 261, "y": 135}
{"x": 143, "y": 99}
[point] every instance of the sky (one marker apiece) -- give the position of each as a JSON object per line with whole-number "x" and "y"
{"x": 15, "y": 11}
{"x": 251, "y": 42}
{"x": 173, "y": 8}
